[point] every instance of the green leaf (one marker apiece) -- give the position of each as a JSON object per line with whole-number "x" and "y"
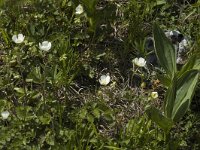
{"x": 193, "y": 63}
{"x": 112, "y": 147}
{"x": 162, "y": 121}
{"x": 2, "y": 104}
{"x": 90, "y": 118}
{"x": 4, "y": 35}
{"x": 164, "y": 80}
{"x": 50, "y": 138}
{"x": 89, "y": 6}
{"x": 19, "y": 90}
{"x": 32, "y": 29}
{"x": 165, "y": 51}
{"x": 96, "y": 113}
{"x": 63, "y": 3}
{"x": 36, "y": 75}
{"x": 45, "y": 119}
{"x": 197, "y": 64}
{"x": 160, "y": 2}
{"x": 90, "y": 9}
{"x": 170, "y": 98}
{"x": 186, "y": 85}
{"x": 82, "y": 114}
{"x": 23, "y": 112}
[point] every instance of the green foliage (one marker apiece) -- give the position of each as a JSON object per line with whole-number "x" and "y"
{"x": 182, "y": 86}
{"x": 54, "y": 97}
{"x": 180, "y": 89}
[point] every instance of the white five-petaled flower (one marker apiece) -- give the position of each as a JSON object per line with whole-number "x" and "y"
{"x": 18, "y": 38}
{"x": 154, "y": 95}
{"x": 5, "y": 114}
{"x": 79, "y": 9}
{"x": 45, "y": 46}
{"x": 104, "y": 79}
{"x": 140, "y": 62}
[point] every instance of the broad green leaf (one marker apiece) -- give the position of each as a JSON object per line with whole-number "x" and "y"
{"x": 162, "y": 121}
{"x": 186, "y": 85}
{"x": 165, "y": 51}
{"x": 188, "y": 66}
{"x": 170, "y": 98}
{"x": 164, "y": 80}
{"x": 197, "y": 64}
{"x": 193, "y": 63}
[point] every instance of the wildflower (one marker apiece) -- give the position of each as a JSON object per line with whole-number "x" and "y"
{"x": 154, "y": 95}
{"x": 18, "y": 38}
{"x": 104, "y": 79}
{"x": 140, "y": 62}
{"x": 79, "y": 9}
{"x": 45, "y": 46}
{"x": 5, "y": 114}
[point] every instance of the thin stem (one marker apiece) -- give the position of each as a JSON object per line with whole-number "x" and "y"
{"x": 167, "y": 138}
{"x": 44, "y": 83}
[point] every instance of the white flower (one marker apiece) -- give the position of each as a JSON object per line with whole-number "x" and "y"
{"x": 18, "y": 38}
{"x": 140, "y": 62}
{"x": 45, "y": 46}
{"x": 154, "y": 95}
{"x": 104, "y": 79}
{"x": 5, "y": 114}
{"x": 79, "y": 9}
